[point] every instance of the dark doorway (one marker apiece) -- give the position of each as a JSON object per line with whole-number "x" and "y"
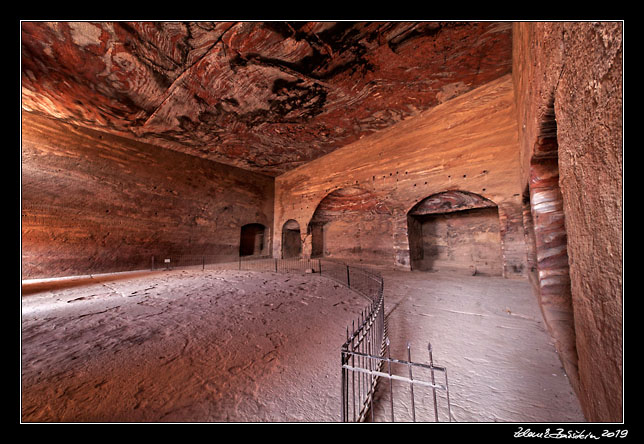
{"x": 291, "y": 239}
{"x": 251, "y": 242}
{"x": 317, "y": 239}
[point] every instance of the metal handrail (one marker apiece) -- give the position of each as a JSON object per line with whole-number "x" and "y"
{"x": 363, "y": 353}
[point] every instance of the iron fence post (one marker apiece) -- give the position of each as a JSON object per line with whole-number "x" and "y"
{"x": 431, "y": 364}
{"x": 449, "y": 407}
{"x": 343, "y": 415}
{"x": 411, "y": 384}
{"x": 391, "y": 382}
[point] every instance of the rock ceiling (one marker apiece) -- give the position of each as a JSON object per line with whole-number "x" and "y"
{"x": 263, "y": 96}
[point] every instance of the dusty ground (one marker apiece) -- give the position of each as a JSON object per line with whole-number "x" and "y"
{"x": 192, "y": 345}
{"x": 488, "y": 332}
{"x": 185, "y": 346}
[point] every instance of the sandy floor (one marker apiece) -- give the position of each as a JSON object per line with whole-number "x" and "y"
{"x": 186, "y": 346}
{"x": 489, "y": 334}
{"x": 192, "y": 345}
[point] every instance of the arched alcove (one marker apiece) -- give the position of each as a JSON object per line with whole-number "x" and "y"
{"x": 351, "y": 224}
{"x": 455, "y": 230}
{"x": 252, "y": 240}
{"x": 291, "y": 239}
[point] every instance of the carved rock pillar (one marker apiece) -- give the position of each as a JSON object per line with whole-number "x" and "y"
{"x": 401, "y": 240}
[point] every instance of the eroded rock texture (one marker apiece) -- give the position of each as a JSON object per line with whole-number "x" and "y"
{"x": 551, "y": 255}
{"x": 466, "y": 147}
{"x": 574, "y": 71}
{"x": 95, "y": 203}
{"x": 455, "y": 230}
{"x": 262, "y": 96}
{"x": 344, "y": 223}
{"x": 449, "y": 201}
{"x": 399, "y": 111}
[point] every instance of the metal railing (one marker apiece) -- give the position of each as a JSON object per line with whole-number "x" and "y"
{"x": 419, "y": 380}
{"x": 246, "y": 263}
{"x": 363, "y": 360}
{"x": 360, "y": 279}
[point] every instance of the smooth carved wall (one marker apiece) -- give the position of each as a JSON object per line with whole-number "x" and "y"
{"x": 455, "y": 230}
{"x": 468, "y": 143}
{"x": 462, "y": 240}
{"x": 93, "y": 203}
{"x": 574, "y": 71}
{"x": 343, "y": 224}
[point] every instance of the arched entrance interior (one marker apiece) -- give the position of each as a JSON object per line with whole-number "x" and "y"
{"x": 291, "y": 239}
{"x": 455, "y": 230}
{"x": 351, "y": 224}
{"x": 252, "y": 240}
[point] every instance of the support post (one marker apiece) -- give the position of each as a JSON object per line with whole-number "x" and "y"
{"x": 411, "y": 384}
{"x": 431, "y": 364}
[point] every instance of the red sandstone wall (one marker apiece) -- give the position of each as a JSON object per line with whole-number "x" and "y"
{"x": 350, "y": 217}
{"x": 92, "y": 202}
{"x": 466, "y": 240}
{"x": 576, "y": 68}
{"x": 468, "y": 143}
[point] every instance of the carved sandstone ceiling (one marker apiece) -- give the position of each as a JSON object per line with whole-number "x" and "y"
{"x": 263, "y": 96}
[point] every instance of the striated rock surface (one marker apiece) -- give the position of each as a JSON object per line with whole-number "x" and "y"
{"x": 466, "y": 146}
{"x": 264, "y": 96}
{"x": 568, "y": 78}
{"x": 348, "y": 224}
{"x": 449, "y": 201}
{"x": 95, "y": 203}
{"x": 455, "y": 230}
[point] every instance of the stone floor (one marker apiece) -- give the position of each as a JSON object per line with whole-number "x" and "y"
{"x": 185, "y": 346}
{"x": 145, "y": 343}
{"x": 488, "y": 332}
